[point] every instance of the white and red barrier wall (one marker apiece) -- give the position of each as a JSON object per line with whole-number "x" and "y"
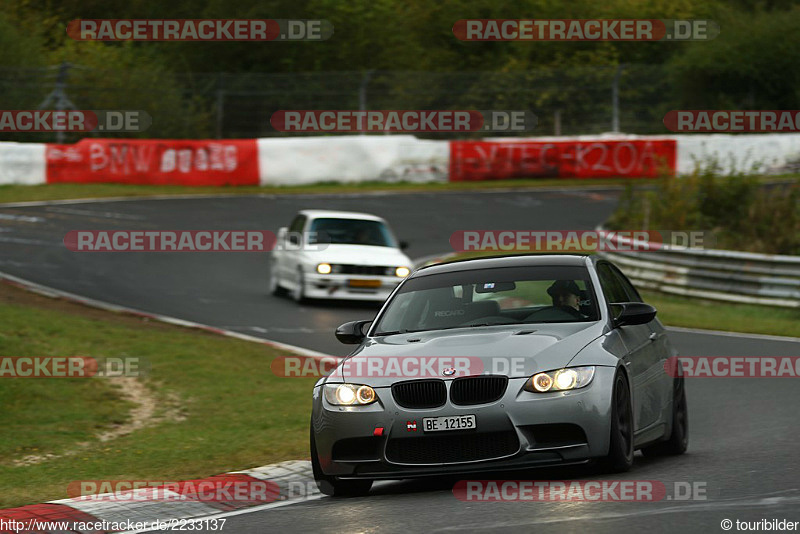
{"x": 359, "y": 158}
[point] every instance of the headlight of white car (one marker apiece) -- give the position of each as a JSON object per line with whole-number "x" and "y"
{"x": 560, "y": 380}
{"x": 402, "y": 272}
{"x": 349, "y": 394}
{"x": 324, "y": 268}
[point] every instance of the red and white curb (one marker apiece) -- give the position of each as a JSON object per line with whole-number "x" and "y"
{"x": 290, "y": 482}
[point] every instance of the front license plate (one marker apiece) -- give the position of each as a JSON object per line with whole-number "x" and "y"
{"x": 365, "y": 283}
{"x": 457, "y": 422}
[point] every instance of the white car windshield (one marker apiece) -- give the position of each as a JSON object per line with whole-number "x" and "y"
{"x": 351, "y": 232}
{"x": 509, "y": 295}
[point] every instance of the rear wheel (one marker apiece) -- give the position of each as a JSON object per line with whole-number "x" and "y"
{"x": 679, "y": 438}
{"x": 331, "y": 485}
{"x": 620, "y": 447}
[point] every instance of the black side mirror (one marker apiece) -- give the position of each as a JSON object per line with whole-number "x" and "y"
{"x": 403, "y": 245}
{"x": 352, "y": 333}
{"x": 633, "y": 313}
{"x": 294, "y": 239}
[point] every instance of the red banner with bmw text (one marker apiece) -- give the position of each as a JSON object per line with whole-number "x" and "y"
{"x": 505, "y": 160}
{"x": 155, "y": 162}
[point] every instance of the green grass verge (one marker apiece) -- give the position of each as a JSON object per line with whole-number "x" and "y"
{"x": 22, "y": 193}
{"x": 219, "y": 408}
{"x": 27, "y": 193}
{"x": 675, "y": 310}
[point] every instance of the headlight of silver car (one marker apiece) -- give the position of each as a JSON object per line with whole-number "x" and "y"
{"x": 560, "y": 380}
{"x": 349, "y": 394}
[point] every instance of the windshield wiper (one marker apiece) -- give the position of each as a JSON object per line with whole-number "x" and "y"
{"x": 391, "y": 333}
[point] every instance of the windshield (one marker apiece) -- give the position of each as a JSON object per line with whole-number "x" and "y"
{"x": 351, "y": 232}
{"x": 516, "y": 295}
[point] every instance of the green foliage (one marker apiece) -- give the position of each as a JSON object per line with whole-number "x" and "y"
{"x": 738, "y": 211}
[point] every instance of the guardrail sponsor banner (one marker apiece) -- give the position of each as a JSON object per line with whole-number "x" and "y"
{"x": 503, "y": 160}
{"x": 155, "y": 162}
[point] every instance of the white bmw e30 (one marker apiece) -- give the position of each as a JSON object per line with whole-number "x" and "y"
{"x": 337, "y": 255}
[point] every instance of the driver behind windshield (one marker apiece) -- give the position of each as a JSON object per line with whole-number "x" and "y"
{"x": 566, "y": 295}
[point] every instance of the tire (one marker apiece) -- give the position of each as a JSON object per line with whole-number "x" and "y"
{"x": 299, "y": 291}
{"x": 620, "y": 447}
{"x": 678, "y": 441}
{"x": 331, "y": 485}
{"x": 273, "y": 286}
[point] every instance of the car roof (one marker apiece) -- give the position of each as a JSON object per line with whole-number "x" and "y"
{"x": 526, "y": 260}
{"x": 319, "y": 214}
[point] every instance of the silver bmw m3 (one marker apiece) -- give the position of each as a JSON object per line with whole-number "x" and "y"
{"x": 498, "y": 363}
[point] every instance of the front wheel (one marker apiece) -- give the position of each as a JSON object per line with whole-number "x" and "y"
{"x": 331, "y": 485}
{"x": 678, "y": 440}
{"x": 299, "y": 291}
{"x": 273, "y": 285}
{"x": 620, "y": 447}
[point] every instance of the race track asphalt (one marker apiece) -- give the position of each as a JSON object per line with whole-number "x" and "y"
{"x": 744, "y": 432}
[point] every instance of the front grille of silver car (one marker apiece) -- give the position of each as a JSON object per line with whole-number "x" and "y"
{"x": 453, "y": 448}
{"x": 416, "y": 394}
{"x": 471, "y": 390}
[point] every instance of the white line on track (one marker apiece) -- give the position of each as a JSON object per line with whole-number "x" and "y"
{"x": 736, "y": 505}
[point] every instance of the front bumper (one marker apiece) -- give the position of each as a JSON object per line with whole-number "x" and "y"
{"x": 350, "y": 286}
{"x": 520, "y": 430}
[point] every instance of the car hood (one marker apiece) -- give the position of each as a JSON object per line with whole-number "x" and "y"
{"x": 360, "y": 255}
{"x": 518, "y": 351}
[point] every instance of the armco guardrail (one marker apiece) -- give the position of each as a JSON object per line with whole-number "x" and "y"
{"x": 744, "y": 277}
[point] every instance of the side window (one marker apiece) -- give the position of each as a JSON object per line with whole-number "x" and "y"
{"x": 297, "y": 224}
{"x": 611, "y": 284}
{"x": 633, "y": 295}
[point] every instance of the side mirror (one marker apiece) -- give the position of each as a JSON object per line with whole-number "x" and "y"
{"x": 403, "y": 245}
{"x": 281, "y": 236}
{"x": 633, "y": 313}
{"x": 352, "y": 333}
